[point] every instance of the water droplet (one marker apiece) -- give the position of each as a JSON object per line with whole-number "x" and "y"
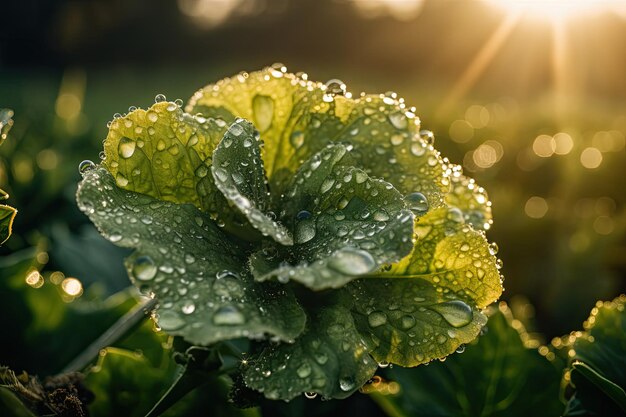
{"x": 427, "y": 136}
{"x": 226, "y": 274}
{"x": 456, "y": 312}
{"x": 383, "y": 364}
{"x": 456, "y": 215}
{"x": 220, "y": 174}
{"x": 417, "y": 202}
{"x": 297, "y": 139}
{"x": 407, "y": 321}
{"x": 170, "y": 320}
{"x": 327, "y": 185}
{"x": 397, "y": 140}
{"x": 352, "y": 261}
{"x": 321, "y": 358}
{"x": 144, "y": 268}
{"x": 376, "y": 318}
{"x": 121, "y": 180}
{"x": 381, "y": 215}
{"x": 460, "y": 349}
{"x": 493, "y": 248}
{"x": 346, "y": 384}
{"x": 86, "y": 166}
{"x": 335, "y": 87}
{"x": 263, "y": 108}
{"x": 202, "y": 171}
{"x": 228, "y": 315}
{"x": 305, "y": 231}
{"x": 159, "y": 98}
{"x": 398, "y": 120}
{"x": 418, "y": 149}
{"x": 152, "y": 116}
{"x": 303, "y": 215}
{"x": 310, "y": 395}
{"x": 188, "y": 307}
{"x": 115, "y": 237}
{"x": 126, "y": 147}
{"x": 304, "y": 370}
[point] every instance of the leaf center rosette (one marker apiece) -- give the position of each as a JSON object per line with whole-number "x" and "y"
{"x": 325, "y": 228}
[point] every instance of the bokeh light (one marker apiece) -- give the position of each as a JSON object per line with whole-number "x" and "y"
{"x": 536, "y": 207}
{"x": 591, "y": 158}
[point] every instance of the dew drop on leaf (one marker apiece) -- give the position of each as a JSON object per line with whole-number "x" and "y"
{"x": 159, "y": 98}
{"x": 121, "y": 180}
{"x": 228, "y": 315}
{"x": 202, "y": 171}
{"x": 126, "y": 147}
{"x": 407, "y": 321}
{"x": 188, "y": 307}
{"x": 335, "y": 87}
{"x": 427, "y": 136}
{"x": 144, "y": 268}
{"x": 303, "y": 215}
{"x": 305, "y": 231}
{"x": 398, "y": 120}
{"x": 85, "y": 166}
{"x": 352, "y": 261}
{"x": 417, "y": 203}
{"x": 304, "y": 370}
{"x": 456, "y": 215}
{"x": 297, "y": 139}
{"x": 376, "y": 318}
{"x": 310, "y": 395}
{"x": 456, "y": 312}
{"x": 346, "y": 384}
{"x": 115, "y": 237}
{"x": 170, "y": 320}
{"x": 263, "y": 107}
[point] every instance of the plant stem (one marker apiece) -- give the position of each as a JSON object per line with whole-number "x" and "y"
{"x": 118, "y": 330}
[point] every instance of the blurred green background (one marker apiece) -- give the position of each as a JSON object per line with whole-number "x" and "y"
{"x": 530, "y": 97}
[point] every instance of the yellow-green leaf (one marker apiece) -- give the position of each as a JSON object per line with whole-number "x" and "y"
{"x": 7, "y": 215}
{"x": 297, "y": 118}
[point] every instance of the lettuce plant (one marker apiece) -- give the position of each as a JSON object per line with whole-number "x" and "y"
{"x": 324, "y": 228}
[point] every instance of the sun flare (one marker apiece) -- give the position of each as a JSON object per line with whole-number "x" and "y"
{"x": 558, "y": 10}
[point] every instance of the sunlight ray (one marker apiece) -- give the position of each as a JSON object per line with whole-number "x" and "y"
{"x": 480, "y": 62}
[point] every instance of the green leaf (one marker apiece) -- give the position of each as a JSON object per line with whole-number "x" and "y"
{"x": 298, "y": 118}
{"x": 409, "y": 322}
{"x": 117, "y": 378}
{"x": 497, "y": 375}
{"x": 6, "y": 123}
{"x": 470, "y": 198}
{"x": 238, "y": 172}
{"x": 593, "y": 388}
{"x": 11, "y": 406}
{"x": 598, "y": 373}
{"x": 329, "y": 358}
{"x": 355, "y": 224}
{"x": 453, "y": 257}
{"x": 191, "y": 266}
{"x": 7, "y": 215}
